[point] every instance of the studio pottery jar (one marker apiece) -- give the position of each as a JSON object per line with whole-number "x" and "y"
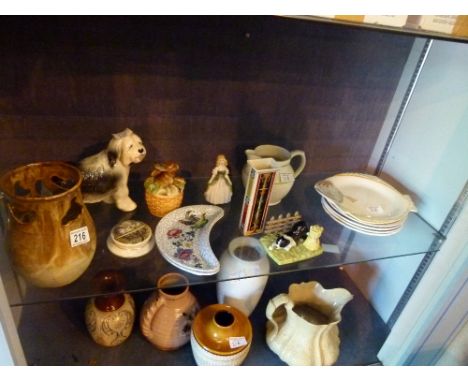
{"x": 302, "y": 326}
{"x": 221, "y": 336}
{"x": 244, "y": 258}
{"x": 166, "y": 317}
{"x": 281, "y": 159}
{"x": 50, "y": 234}
{"x": 109, "y": 317}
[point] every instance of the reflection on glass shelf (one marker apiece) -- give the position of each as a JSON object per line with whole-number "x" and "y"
{"x": 447, "y": 27}
{"x": 342, "y": 246}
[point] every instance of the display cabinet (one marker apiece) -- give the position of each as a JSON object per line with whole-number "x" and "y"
{"x": 192, "y": 88}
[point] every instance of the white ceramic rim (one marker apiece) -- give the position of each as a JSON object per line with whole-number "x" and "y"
{"x": 285, "y": 153}
{"x": 245, "y": 241}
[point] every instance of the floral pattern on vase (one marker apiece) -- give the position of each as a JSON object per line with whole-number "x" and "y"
{"x": 110, "y": 328}
{"x": 109, "y": 318}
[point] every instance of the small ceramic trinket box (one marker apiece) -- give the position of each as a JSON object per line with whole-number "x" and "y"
{"x": 130, "y": 239}
{"x": 164, "y": 191}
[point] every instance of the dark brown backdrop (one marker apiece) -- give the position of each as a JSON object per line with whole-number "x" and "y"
{"x": 193, "y": 87}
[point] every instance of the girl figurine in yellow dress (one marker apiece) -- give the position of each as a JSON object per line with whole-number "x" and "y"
{"x": 219, "y": 190}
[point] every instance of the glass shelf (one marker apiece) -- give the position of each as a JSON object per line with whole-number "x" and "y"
{"x": 362, "y": 332}
{"x": 347, "y": 247}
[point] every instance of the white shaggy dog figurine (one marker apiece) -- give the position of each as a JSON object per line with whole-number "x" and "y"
{"x": 105, "y": 174}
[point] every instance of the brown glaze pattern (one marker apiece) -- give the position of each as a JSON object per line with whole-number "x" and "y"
{"x": 216, "y": 325}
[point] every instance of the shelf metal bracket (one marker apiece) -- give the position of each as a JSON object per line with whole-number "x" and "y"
{"x": 403, "y": 106}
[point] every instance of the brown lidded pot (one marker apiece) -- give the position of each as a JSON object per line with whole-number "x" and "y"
{"x": 222, "y": 330}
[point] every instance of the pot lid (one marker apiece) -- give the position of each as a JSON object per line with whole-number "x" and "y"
{"x": 131, "y": 234}
{"x": 130, "y": 239}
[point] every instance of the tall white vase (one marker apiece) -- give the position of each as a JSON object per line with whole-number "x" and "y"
{"x": 244, "y": 257}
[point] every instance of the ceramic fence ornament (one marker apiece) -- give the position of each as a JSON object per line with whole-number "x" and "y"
{"x": 300, "y": 243}
{"x": 219, "y": 188}
{"x": 282, "y": 223}
{"x": 105, "y": 174}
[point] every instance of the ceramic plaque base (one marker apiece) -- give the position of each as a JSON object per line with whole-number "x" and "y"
{"x": 294, "y": 255}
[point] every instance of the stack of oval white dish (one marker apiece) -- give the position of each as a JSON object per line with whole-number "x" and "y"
{"x": 365, "y": 203}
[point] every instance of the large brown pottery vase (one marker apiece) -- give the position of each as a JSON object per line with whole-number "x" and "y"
{"x": 166, "y": 317}
{"x": 51, "y": 236}
{"x": 109, "y": 318}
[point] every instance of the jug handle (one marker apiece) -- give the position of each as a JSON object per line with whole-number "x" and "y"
{"x": 146, "y": 318}
{"x": 272, "y": 306}
{"x": 4, "y": 216}
{"x": 302, "y": 163}
{"x": 32, "y": 215}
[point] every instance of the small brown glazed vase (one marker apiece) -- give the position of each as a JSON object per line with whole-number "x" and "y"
{"x": 166, "y": 317}
{"x": 110, "y": 317}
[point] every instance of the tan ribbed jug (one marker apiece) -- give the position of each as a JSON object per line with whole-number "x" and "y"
{"x": 166, "y": 317}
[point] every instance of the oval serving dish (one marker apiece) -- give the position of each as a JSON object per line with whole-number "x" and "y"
{"x": 365, "y": 198}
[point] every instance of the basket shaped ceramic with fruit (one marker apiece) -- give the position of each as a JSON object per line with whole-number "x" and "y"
{"x": 164, "y": 190}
